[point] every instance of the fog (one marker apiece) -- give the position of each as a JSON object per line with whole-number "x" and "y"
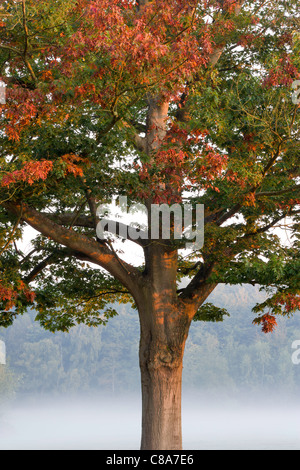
{"x": 240, "y": 386}
{"x": 85, "y": 423}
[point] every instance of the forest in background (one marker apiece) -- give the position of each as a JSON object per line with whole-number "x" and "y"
{"x": 232, "y": 356}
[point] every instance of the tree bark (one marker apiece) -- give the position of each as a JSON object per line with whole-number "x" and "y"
{"x": 161, "y": 379}
{"x": 164, "y": 326}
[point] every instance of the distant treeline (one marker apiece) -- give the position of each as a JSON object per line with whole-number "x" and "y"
{"x": 233, "y": 355}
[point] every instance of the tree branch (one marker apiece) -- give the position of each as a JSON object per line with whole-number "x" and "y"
{"x": 99, "y": 254}
{"x": 267, "y": 227}
{"x": 278, "y": 193}
{"x": 182, "y": 114}
{"x": 197, "y": 291}
{"x": 53, "y": 258}
{"x": 39, "y": 268}
{"x": 89, "y": 222}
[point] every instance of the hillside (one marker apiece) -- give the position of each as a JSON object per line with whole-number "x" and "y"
{"x": 232, "y": 355}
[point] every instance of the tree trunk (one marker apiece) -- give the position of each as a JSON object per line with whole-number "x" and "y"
{"x": 163, "y": 336}
{"x": 161, "y": 406}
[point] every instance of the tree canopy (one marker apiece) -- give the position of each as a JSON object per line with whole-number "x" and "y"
{"x": 177, "y": 102}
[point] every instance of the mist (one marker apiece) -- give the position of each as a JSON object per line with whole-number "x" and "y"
{"x": 90, "y": 423}
{"x": 81, "y": 390}
{"x": 79, "y": 423}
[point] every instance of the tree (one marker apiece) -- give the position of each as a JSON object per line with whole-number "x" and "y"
{"x": 175, "y": 102}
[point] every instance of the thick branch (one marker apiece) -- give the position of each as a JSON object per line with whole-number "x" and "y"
{"x": 99, "y": 254}
{"x": 93, "y": 207}
{"x": 198, "y": 289}
{"x": 88, "y": 222}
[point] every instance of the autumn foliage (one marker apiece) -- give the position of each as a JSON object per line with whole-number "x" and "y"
{"x": 86, "y": 83}
{"x": 178, "y": 102}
